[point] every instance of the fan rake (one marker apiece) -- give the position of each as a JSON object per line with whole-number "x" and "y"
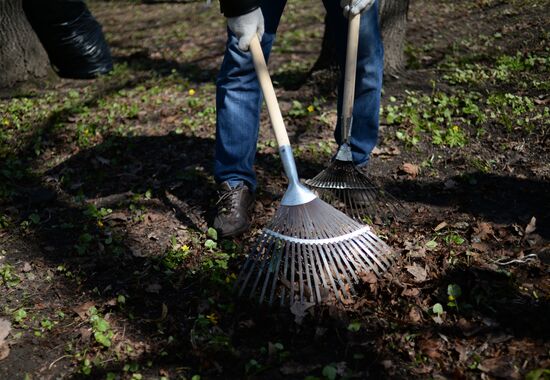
{"x": 342, "y": 183}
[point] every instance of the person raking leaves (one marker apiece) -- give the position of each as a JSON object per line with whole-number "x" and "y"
{"x": 238, "y": 97}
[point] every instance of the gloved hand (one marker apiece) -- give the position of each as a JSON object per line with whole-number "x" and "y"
{"x": 354, "y": 7}
{"x": 246, "y": 26}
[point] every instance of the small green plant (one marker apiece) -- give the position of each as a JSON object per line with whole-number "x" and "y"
{"x": 4, "y": 220}
{"x": 453, "y": 293}
{"x": 100, "y": 328}
{"x": 432, "y": 244}
{"x": 8, "y": 278}
{"x": 47, "y": 324}
{"x": 354, "y": 326}
{"x": 176, "y": 254}
{"x": 437, "y": 309}
{"x": 454, "y": 238}
{"x": 538, "y": 374}
{"x": 84, "y": 242}
{"x": 252, "y": 366}
{"x": 86, "y": 366}
{"x": 330, "y": 372}
{"x": 211, "y": 243}
{"x": 19, "y": 315}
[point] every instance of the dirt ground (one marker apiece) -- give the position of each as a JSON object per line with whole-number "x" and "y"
{"x": 108, "y": 268}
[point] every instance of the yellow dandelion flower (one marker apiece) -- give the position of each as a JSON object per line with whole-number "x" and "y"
{"x": 192, "y": 91}
{"x": 213, "y": 318}
{"x": 232, "y": 277}
{"x": 185, "y": 248}
{"x": 310, "y": 108}
{"x": 456, "y": 128}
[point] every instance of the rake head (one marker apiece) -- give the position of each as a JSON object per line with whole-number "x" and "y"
{"x": 343, "y": 185}
{"x": 311, "y": 253}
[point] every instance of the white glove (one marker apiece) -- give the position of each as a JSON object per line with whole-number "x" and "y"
{"x": 354, "y": 7}
{"x": 246, "y": 26}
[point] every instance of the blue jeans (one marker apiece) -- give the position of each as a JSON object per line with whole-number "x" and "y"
{"x": 238, "y": 95}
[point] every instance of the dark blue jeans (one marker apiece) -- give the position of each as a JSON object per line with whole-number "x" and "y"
{"x": 238, "y": 95}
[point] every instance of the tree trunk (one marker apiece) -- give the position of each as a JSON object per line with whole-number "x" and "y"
{"x": 327, "y": 57}
{"x": 393, "y": 18}
{"x": 393, "y": 25}
{"x": 22, "y": 57}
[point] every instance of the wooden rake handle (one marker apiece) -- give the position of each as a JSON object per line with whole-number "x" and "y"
{"x": 269, "y": 93}
{"x": 349, "y": 78}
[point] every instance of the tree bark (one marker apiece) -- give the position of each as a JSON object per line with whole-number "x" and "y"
{"x": 393, "y": 23}
{"x": 22, "y": 57}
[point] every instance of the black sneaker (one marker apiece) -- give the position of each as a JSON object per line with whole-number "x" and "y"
{"x": 234, "y": 205}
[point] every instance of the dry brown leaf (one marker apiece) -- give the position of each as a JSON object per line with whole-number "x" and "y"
{"x": 82, "y": 310}
{"x": 410, "y": 169}
{"x": 531, "y": 227}
{"x": 431, "y": 347}
{"x": 299, "y": 310}
{"x": 415, "y": 315}
{"x": 463, "y": 352}
{"x": 501, "y": 367}
{"x": 4, "y": 351}
{"x": 410, "y": 292}
{"x": 26, "y": 267}
{"x": 440, "y": 226}
{"x": 481, "y": 247}
{"x": 85, "y": 333}
{"x": 5, "y": 328}
{"x": 386, "y": 151}
{"x": 483, "y": 230}
{"x": 369, "y": 278}
{"x": 419, "y": 273}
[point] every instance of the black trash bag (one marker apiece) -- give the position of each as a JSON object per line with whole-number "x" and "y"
{"x": 71, "y": 36}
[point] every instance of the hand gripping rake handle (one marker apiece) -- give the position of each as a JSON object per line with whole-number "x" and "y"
{"x": 349, "y": 78}
{"x": 297, "y": 193}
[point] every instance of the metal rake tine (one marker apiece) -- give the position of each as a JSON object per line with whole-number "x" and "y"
{"x": 273, "y": 268}
{"x": 373, "y": 249}
{"x": 380, "y": 248}
{"x": 267, "y": 250}
{"x": 285, "y": 273}
{"x": 326, "y": 252}
{"x": 347, "y": 258}
{"x": 313, "y": 273}
{"x": 309, "y": 220}
{"x": 336, "y": 261}
{"x": 292, "y": 272}
{"x": 371, "y": 252}
{"x": 304, "y": 274}
{"x": 363, "y": 257}
{"x": 329, "y": 271}
{"x": 250, "y": 263}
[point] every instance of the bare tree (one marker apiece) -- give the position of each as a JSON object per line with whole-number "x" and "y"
{"x": 22, "y": 57}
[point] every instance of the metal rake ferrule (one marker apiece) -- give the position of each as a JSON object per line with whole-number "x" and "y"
{"x": 333, "y": 240}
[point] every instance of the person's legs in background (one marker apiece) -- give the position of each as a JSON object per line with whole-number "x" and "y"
{"x": 368, "y": 87}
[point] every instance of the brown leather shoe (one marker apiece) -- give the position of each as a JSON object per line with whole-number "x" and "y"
{"x": 234, "y": 206}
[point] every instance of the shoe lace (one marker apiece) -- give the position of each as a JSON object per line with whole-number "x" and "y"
{"x": 228, "y": 200}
